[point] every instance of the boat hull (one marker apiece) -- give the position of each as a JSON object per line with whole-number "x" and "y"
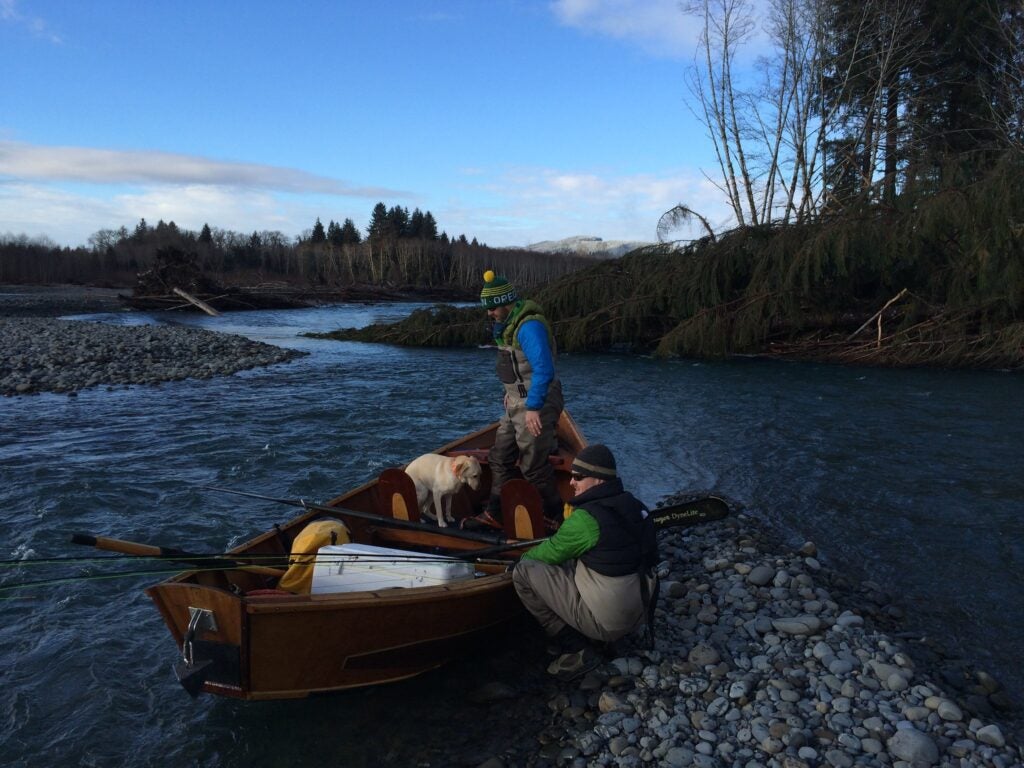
{"x": 239, "y": 637}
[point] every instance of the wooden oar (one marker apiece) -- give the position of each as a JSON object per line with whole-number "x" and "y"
{"x": 169, "y": 553}
{"x": 381, "y": 520}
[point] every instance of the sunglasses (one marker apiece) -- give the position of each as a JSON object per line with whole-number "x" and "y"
{"x": 577, "y": 477}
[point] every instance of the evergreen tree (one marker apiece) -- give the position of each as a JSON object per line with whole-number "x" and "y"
{"x": 334, "y": 233}
{"x": 952, "y": 113}
{"x": 398, "y": 222}
{"x": 416, "y": 223}
{"x": 318, "y": 235}
{"x": 206, "y": 236}
{"x": 428, "y": 230}
{"x": 377, "y": 227}
{"x": 349, "y": 234}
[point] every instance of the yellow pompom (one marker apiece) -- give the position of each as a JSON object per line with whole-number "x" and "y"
{"x": 489, "y": 276}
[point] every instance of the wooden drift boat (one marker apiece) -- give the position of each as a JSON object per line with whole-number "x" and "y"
{"x": 242, "y": 637}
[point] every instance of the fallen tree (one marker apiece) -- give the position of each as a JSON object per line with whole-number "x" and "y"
{"x": 927, "y": 281}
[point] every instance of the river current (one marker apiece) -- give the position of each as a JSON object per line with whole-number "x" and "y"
{"x": 913, "y": 479}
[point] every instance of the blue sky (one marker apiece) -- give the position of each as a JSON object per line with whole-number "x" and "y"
{"x": 512, "y": 121}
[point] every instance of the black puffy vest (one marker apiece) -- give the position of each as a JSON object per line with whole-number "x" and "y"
{"x": 627, "y": 542}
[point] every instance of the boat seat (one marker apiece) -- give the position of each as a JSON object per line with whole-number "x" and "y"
{"x": 397, "y": 495}
{"x": 522, "y": 510}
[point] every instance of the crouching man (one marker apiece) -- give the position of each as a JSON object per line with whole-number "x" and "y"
{"x": 594, "y": 576}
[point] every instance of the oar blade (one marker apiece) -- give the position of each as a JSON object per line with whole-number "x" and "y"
{"x": 704, "y": 510}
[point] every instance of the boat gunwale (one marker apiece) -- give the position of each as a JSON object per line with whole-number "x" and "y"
{"x": 566, "y": 426}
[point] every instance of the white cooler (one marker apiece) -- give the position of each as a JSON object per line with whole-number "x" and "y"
{"x": 363, "y": 568}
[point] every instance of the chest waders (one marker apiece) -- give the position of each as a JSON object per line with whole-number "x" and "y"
{"x": 513, "y": 442}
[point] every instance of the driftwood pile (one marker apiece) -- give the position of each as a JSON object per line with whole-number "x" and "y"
{"x": 175, "y": 281}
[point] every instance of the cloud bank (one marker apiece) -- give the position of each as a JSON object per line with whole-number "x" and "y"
{"x": 109, "y": 166}
{"x": 68, "y": 193}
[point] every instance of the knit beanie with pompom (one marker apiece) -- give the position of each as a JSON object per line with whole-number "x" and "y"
{"x": 497, "y": 291}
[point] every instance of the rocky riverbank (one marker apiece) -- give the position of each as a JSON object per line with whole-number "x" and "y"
{"x": 57, "y": 300}
{"x": 50, "y": 355}
{"x": 765, "y": 658}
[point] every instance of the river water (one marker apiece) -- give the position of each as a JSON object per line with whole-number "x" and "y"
{"x": 913, "y": 479}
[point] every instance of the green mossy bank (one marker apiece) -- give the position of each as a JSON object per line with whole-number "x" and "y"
{"x": 934, "y": 281}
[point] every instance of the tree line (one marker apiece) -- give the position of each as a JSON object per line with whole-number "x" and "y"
{"x": 855, "y": 104}
{"x": 399, "y": 248}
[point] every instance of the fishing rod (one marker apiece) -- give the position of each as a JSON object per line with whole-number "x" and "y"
{"x": 388, "y": 522}
{"x": 682, "y": 515}
{"x": 250, "y": 563}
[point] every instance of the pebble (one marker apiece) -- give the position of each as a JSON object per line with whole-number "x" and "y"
{"x": 50, "y": 355}
{"x": 761, "y": 575}
{"x": 991, "y": 735}
{"x": 778, "y": 673}
{"x": 916, "y": 748}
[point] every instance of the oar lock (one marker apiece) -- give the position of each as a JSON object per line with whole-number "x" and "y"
{"x": 199, "y": 620}
{"x": 192, "y": 674}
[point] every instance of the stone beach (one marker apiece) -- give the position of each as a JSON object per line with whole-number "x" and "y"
{"x": 767, "y": 658}
{"x": 42, "y": 353}
{"x": 51, "y": 355}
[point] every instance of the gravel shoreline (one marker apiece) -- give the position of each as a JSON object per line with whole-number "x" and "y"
{"x": 50, "y": 355}
{"x": 767, "y": 659}
{"x": 57, "y": 300}
{"x": 42, "y": 353}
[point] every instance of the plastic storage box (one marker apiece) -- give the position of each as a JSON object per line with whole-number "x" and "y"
{"x": 364, "y": 568}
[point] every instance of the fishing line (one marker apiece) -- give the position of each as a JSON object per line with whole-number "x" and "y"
{"x": 329, "y": 560}
{"x": 242, "y": 559}
{"x": 91, "y": 578}
{"x": 173, "y": 571}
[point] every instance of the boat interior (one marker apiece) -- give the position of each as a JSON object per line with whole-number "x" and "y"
{"x": 384, "y": 513}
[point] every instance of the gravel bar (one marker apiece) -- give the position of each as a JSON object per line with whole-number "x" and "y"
{"x": 766, "y": 658}
{"x": 50, "y": 355}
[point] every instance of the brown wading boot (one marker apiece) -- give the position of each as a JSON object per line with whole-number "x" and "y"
{"x": 570, "y": 666}
{"x": 567, "y": 640}
{"x": 488, "y": 520}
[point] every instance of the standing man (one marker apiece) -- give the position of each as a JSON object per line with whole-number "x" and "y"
{"x": 533, "y": 399}
{"x": 595, "y": 575}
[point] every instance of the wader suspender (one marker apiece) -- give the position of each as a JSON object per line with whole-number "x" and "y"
{"x": 647, "y": 595}
{"x": 515, "y": 369}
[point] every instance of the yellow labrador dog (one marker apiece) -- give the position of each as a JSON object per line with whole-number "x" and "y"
{"x": 441, "y": 477}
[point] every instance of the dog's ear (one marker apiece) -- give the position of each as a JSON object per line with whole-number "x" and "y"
{"x": 460, "y": 464}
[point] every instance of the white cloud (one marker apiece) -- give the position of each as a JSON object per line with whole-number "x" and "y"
{"x": 530, "y": 205}
{"x": 658, "y": 26}
{"x": 69, "y": 216}
{"x": 109, "y": 166}
{"x": 10, "y": 14}
{"x": 500, "y": 207}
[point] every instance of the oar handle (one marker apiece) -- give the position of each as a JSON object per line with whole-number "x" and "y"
{"x": 168, "y": 553}
{"x": 122, "y": 546}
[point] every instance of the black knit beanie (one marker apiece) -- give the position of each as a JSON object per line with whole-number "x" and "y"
{"x": 595, "y": 461}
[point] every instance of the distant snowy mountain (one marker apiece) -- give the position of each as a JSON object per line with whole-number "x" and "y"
{"x": 588, "y": 246}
